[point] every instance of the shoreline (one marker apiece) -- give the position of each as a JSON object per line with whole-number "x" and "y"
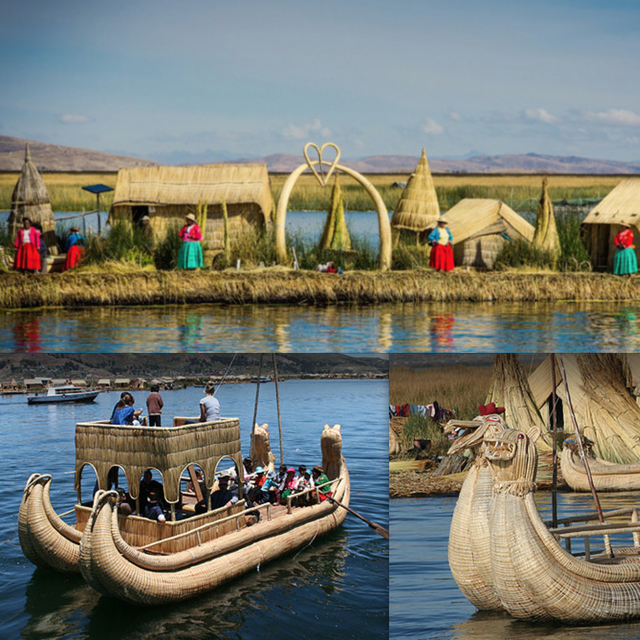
{"x": 278, "y": 285}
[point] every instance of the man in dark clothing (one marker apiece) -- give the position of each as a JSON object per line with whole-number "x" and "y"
{"x": 151, "y": 497}
{"x": 223, "y": 497}
{"x": 154, "y": 407}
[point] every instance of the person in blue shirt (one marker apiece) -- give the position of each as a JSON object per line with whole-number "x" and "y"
{"x": 75, "y": 248}
{"x": 124, "y": 413}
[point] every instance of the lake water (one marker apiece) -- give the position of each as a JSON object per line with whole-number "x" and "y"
{"x": 425, "y": 601}
{"x": 307, "y": 224}
{"x": 451, "y": 327}
{"x": 338, "y": 586}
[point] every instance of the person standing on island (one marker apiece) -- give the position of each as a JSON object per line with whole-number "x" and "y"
{"x": 625, "y": 262}
{"x": 190, "y": 256}
{"x": 441, "y": 241}
{"x": 154, "y": 406}
{"x": 209, "y": 405}
{"x": 75, "y": 248}
{"x": 27, "y": 243}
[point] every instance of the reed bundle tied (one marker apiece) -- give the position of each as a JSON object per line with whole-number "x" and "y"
{"x": 546, "y": 235}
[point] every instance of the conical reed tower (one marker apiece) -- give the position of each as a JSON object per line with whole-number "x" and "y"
{"x": 418, "y": 208}
{"x": 30, "y": 199}
{"x": 335, "y": 235}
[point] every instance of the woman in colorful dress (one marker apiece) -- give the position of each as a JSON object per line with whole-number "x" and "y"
{"x": 625, "y": 262}
{"x": 27, "y": 243}
{"x": 190, "y": 256}
{"x": 75, "y": 249}
{"x": 441, "y": 242}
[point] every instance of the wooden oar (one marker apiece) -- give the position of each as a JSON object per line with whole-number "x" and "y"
{"x": 376, "y": 527}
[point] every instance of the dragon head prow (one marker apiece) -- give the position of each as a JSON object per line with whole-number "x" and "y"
{"x": 475, "y": 432}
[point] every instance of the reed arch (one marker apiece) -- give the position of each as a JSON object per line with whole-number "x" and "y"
{"x": 384, "y": 225}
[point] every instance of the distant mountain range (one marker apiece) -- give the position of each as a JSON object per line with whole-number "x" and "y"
{"x": 60, "y": 365}
{"x": 50, "y": 157}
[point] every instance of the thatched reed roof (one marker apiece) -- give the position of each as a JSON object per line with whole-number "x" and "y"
{"x": 208, "y": 184}
{"x": 418, "y": 208}
{"x": 335, "y": 234}
{"x": 30, "y": 199}
{"x": 605, "y": 409}
{"x": 475, "y": 217}
{"x": 546, "y": 233}
{"x": 621, "y": 206}
{"x": 168, "y": 449}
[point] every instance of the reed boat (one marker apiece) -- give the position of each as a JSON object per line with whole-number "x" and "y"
{"x": 143, "y": 561}
{"x": 533, "y": 575}
{"x": 606, "y": 476}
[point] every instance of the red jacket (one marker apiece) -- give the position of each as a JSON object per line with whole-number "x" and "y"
{"x": 34, "y": 234}
{"x": 624, "y": 239}
{"x": 190, "y": 235}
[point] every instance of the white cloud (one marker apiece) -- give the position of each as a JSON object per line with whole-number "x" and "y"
{"x": 300, "y": 132}
{"x": 617, "y": 116}
{"x": 538, "y": 114}
{"x": 71, "y": 118}
{"x": 432, "y": 127}
{"x": 455, "y": 116}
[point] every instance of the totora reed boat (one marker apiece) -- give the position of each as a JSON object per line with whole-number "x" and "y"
{"x": 503, "y": 556}
{"x": 143, "y": 561}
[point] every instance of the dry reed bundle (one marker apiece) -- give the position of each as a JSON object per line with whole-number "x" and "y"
{"x": 418, "y": 208}
{"x": 335, "y": 235}
{"x": 546, "y": 235}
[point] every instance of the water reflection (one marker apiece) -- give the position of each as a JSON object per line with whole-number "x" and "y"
{"x": 64, "y": 607}
{"x": 479, "y": 327}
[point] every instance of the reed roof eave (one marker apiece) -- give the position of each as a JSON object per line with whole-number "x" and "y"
{"x": 620, "y": 206}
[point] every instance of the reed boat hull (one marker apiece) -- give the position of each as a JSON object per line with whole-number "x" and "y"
{"x": 606, "y": 475}
{"x": 113, "y": 568}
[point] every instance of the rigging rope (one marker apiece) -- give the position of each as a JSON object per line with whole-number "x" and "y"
{"x": 224, "y": 377}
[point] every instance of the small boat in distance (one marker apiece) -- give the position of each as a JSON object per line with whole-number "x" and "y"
{"x": 262, "y": 379}
{"x": 65, "y": 393}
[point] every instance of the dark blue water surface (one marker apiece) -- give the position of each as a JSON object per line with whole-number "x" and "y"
{"x": 424, "y": 600}
{"x": 452, "y": 327}
{"x": 336, "y": 587}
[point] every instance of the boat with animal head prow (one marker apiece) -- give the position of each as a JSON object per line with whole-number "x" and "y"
{"x": 144, "y": 561}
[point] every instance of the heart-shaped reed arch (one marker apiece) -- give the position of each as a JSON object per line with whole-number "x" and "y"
{"x": 384, "y": 227}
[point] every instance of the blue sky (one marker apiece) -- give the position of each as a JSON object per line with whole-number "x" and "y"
{"x": 212, "y": 78}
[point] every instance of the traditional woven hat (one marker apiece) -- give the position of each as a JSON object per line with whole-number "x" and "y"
{"x": 190, "y": 216}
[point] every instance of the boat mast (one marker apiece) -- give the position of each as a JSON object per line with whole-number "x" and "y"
{"x": 554, "y": 423}
{"x": 579, "y": 440}
{"x": 275, "y": 378}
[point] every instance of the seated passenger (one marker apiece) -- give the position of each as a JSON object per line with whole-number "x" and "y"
{"x": 270, "y": 488}
{"x": 126, "y": 506}
{"x": 124, "y": 412}
{"x": 209, "y": 405}
{"x": 151, "y": 498}
{"x": 223, "y": 497}
{"x": 254, "y": 491}
{"x": 288, "y": 486}
{"x": 320, "y": 479}
{"x": 303, "y": 483}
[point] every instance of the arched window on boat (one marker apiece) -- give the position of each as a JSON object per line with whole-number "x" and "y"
{"x": 193, "y": 489}
{"x": 149, "y": 500}
{"x": 87, "y": 484}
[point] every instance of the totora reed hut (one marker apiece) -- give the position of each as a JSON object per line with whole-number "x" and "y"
{"x": 599, "y": 228}
{"x": 168, "y": 194}
{"x": 480, "y": 227}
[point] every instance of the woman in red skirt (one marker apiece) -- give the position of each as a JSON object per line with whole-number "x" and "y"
{"x": 75, "y": 249}
{"x": 441, "y": 242}
{"x": 27, "y": 243}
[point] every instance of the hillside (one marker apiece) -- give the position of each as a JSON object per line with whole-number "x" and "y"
{"x": 60, "y": 365}
{"x": 52, "y": 157}
{"x": 49, "y": 157}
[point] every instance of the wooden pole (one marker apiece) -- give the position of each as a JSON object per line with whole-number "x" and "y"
{"x": 255, "y": 406}
{"x": 554, "y": 485}
{"x": 376, "y": 527}
{"x": 579, "y": 439}
{"x": 275, "y": 378}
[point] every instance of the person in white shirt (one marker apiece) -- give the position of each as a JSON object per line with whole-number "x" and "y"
{"x": 209, "y": 405}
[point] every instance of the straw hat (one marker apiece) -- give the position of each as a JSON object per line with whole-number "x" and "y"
{"x": 625, "y": 224}
{"x": 190, "y": 216}
{"x": 146, "y": 219}
{"x": 443, "y": 221}
{"x": 318, "y": 469}
{"x": 74, "y": 229}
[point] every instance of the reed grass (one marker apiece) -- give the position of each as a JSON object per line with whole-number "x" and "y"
{"x": 520, "y": 192}
{"x": 276, "y": 285}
